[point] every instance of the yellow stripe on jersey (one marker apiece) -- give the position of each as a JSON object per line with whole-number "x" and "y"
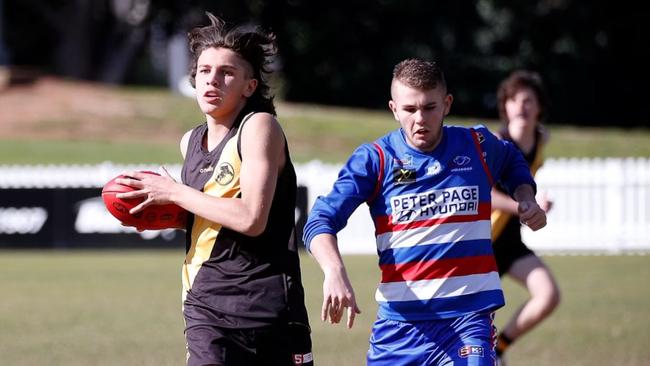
{"x": 500, "y": 218}
{"x": 224, "y": 182}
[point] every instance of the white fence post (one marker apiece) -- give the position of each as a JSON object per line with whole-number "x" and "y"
{"x": 615, "y": 209}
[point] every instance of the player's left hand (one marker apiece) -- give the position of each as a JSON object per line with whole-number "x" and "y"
{"x": 338, "y": 295}
{"x": 531, "y": 215}
{"x": 155, "y": 189}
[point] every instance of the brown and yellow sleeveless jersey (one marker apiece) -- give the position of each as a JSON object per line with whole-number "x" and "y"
{"x": 246, "y": 281}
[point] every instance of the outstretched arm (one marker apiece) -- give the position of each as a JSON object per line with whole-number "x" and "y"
{"x": 262, "y": 158}
{"x": 356, "y": 182}
{"x": 337, "y": 290}
{"x": 501, "y": 201}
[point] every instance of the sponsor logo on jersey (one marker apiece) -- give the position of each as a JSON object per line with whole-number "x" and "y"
{"x": 434, "y": 169}
{"x": 407, "y": 160}
{"x": 435, "y": 203}
{"x": 206, "y": 170}
{"x": 403, "y": 176}
{"x": 460, "y": 163}
{"x": 461, "y": 160}
{"x": 226, "y": 173}
{"x": 469, "y": 350}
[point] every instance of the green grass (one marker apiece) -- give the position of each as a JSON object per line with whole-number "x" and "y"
{"x": 123, "y": 308}
{"x": 87, "y": 152}
{"x": 602, "y": 320}
{"x": 569, "y": 141}
{"x": 145, "y": 125}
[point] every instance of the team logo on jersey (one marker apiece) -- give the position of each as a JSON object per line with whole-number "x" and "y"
{"x": 434, "y": 169}
{"x": 226, "y": 173}
{"x": 466, "y": 351}
{"x": 403, "y": 176}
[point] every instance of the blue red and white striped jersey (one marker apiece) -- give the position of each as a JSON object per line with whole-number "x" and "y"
{"x": 431, "y": 212}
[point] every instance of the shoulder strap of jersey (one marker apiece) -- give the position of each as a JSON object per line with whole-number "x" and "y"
{"x": 477, "y": 145}
{"x": 241, "y": 127}
{"x": 538, "y": 160}
{"x": 380, "y": 176}
{"x": 195, "y": 138}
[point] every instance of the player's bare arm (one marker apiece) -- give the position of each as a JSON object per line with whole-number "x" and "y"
{"x": 530, "y": 214}
{"x": 262, "y": 150}
{"x": 263, "y": 158}
{"x": 501, "y": 201}
{"x": 262, "y": 146}
{"x": 337, "y": 290}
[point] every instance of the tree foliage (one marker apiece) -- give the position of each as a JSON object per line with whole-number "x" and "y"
{"x": 590, "y": 53}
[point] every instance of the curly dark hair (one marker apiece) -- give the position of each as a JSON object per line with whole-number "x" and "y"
{"x": 513, "y": 83}
{"x": 250, "y": 42}
{"x": 419, "y": 74}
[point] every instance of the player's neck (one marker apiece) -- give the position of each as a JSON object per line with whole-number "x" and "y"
{"x": 224, "y": 118}
{"x": 216, "y": 133}
{"x": 219, "y": 125}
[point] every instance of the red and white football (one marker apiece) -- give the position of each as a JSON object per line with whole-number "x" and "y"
{"x": 153, "y": 217}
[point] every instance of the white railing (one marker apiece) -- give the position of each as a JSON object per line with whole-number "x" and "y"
{"x": 71, "y": 175}
{"x": 600, "y": 205}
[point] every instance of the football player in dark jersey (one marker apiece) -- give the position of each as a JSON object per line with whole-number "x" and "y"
{"x": 243, "y": 300}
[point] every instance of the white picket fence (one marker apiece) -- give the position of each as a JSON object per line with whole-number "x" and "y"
{"x": 600, "y": 205}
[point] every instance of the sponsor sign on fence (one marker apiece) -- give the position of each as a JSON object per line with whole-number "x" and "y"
{"x": 61, "y": 207}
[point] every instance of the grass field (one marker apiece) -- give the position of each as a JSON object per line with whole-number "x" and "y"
{"x": 123, "y": 308}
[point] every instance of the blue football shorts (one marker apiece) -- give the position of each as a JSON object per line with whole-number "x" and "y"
{"x": 467, "y": 340}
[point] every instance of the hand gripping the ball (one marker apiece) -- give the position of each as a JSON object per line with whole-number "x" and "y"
{"x": 141, "y": 199}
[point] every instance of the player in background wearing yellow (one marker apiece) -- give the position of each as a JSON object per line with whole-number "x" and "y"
{"x": 522, "y": 106}
{"x": 243, "y": 301}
